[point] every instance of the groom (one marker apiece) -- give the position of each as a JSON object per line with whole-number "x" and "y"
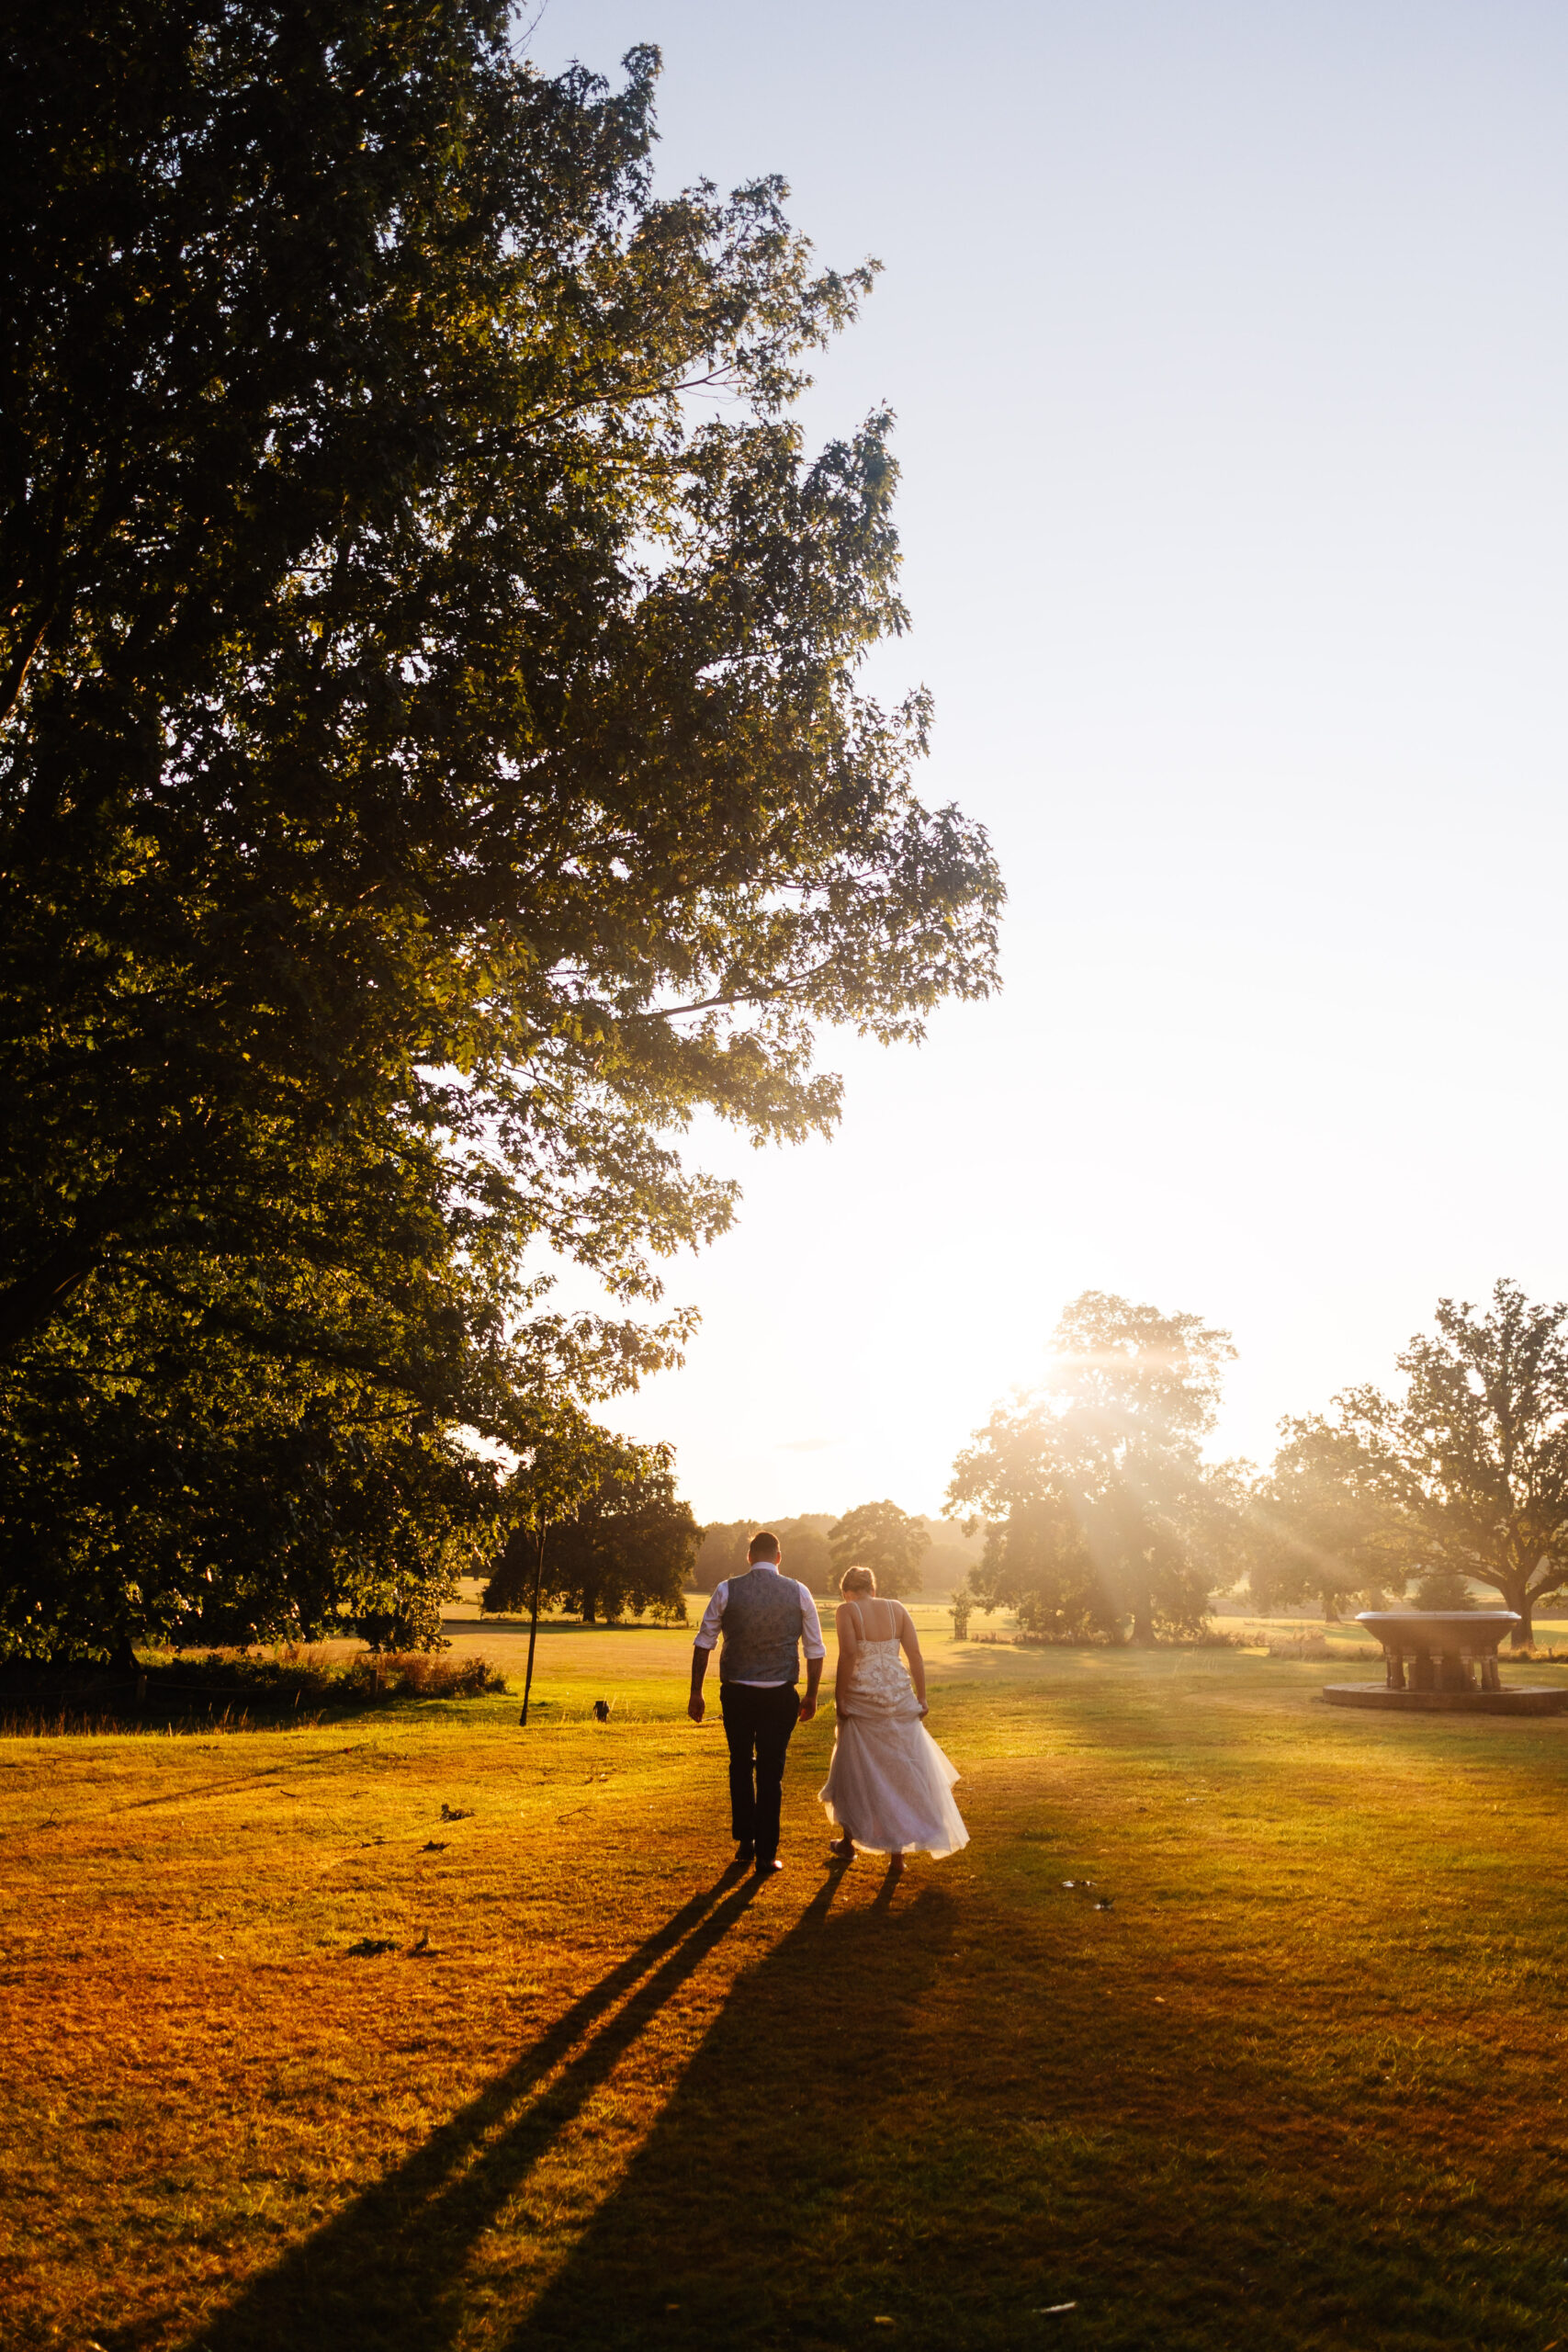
{"x": 766, "y": 1619}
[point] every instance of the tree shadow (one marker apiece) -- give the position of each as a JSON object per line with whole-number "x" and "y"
{"x": 728, "y": 2226}
{"x": 385, "y": 2272}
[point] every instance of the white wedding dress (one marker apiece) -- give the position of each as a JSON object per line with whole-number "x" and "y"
{"x": 889, "y": 1785}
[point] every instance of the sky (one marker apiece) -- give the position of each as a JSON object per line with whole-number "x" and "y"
{"x": 1230, "y": 359}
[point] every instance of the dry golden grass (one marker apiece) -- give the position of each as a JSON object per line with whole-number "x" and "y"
{"x": 423, "y": 2033}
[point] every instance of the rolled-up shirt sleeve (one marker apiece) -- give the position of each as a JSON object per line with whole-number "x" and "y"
{"x": 811, "y": 1640}
{"x": 707, "y": 1632}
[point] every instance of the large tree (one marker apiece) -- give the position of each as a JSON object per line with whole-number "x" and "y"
{"x": 627, "y": 1544}
{"x": 1102, "y": 1511}
{"x": 881, "y": 1537}
{"x": 1323, "y": 1523}
{"x": 432, "y": 768}
{"x": 1468, "y": 1465}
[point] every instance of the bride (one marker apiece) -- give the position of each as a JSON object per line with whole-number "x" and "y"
{"x": 889, "y": 1785}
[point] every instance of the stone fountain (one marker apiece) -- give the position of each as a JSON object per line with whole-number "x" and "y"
{"x": 1445, "y": 1661}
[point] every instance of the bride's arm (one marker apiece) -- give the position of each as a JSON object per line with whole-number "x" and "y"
{"x": 844, "y": 1620}
{"x": 911, "y": 1642}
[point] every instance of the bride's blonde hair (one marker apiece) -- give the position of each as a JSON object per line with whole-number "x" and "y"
{"x": 857, "y": 1580}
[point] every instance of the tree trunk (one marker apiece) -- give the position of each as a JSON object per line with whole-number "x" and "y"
{"x": 1523, "y": 1634}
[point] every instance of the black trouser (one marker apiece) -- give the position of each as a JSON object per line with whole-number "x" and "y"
{"x": 757, "y": 1723}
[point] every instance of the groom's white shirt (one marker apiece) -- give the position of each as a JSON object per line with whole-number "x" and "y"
{"x": 811, "y": 1640}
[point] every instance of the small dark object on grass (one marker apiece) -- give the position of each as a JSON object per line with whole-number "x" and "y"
{"x": 433, "y": 1846}
{"x": 371, "y": 1948}
{"x": 456, "y": 1813}
{"x": 422, "y": 1942}
{"x": 602, "y": 1711}
{"x": 1105, "y": 1902}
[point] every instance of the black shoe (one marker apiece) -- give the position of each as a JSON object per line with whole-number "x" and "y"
{"x": 766, "y": 1870}
{"x": 745, "y": 1851}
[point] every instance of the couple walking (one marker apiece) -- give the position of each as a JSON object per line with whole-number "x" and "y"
{"x": 889, "y": 1788}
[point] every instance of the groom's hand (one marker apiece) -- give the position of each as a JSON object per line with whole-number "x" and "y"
{"x": 807, "y": 1708}
{"x": 696, "y": 1706}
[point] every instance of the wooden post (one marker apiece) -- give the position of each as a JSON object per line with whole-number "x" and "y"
{"x": 534, "y": 1624}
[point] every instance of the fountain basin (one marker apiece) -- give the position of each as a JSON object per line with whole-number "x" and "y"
{"x": 1444, "y": 1661}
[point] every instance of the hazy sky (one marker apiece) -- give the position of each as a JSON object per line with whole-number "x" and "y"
{"x": 1229, "y": 351}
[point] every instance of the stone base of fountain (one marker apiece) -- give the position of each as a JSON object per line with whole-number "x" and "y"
{"x": 1513, "y": 1699}
{"x": 1444, "y": 1661}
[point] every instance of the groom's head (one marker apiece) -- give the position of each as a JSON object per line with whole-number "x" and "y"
{"x": 763, "y": 1547}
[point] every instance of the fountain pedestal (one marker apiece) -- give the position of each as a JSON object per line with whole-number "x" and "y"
{"x": 1445, "y": 1661}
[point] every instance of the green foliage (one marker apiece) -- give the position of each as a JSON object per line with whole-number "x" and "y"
{"x": 229, "y": 1690}
{"x": 722, "y": 1552}
{"x": 431, "y": 770}
{"x": 1444, "y": 1589}
{"x": 1465, "y": 1475}
{"x": 626, "y": 1546}
{"x": 1037, "y": 1564}
{"x": 881, "y": 1537}
{"x": 802, "y": 1540}
{"x": 1322, "y": 1522}
{"x": 160, "y": 1481}
{"x": 1101, "y": 1508}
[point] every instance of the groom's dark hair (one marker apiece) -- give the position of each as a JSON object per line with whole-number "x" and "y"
{"x": 763, "y": 1547}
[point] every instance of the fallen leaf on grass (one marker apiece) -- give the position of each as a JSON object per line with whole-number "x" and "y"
{"x": 456, "y": 1813}
{"x": 1045, "y": 2310}
{"x": 433, "y": 1846}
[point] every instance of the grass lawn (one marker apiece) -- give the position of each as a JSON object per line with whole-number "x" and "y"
{"x": 297, "y": 2063}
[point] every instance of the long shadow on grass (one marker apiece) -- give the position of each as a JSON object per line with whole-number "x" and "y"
{"x": 382, "y": 2274}
{"x": 749, "y": 2214}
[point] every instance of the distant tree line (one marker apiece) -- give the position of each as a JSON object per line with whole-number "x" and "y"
{"x": 897, "y": 1545}
{"x": 804, "y": 1540}
{"x": 629, "y": 1546}
{"x": 1104, "y": 1520}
